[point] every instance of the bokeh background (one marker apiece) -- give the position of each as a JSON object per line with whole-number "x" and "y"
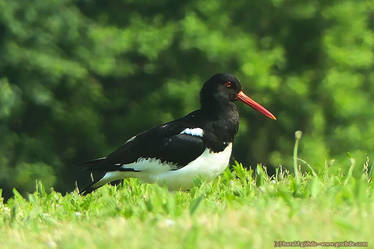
{"x": 79, "y": 77}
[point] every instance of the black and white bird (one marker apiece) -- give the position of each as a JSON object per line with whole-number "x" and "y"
{"x": 175, "y": 153}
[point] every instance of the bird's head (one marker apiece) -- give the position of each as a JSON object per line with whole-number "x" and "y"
{"x": 223, "y": 88}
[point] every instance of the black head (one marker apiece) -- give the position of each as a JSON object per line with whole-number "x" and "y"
{"x": 222, "y": 89}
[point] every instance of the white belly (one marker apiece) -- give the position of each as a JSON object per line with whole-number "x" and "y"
{"x": 209, "y": 165}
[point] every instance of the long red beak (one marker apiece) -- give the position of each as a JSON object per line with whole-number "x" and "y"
{"x": 248, "y": 101}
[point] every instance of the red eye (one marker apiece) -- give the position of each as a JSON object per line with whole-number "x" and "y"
{"x": 228, "y": 84}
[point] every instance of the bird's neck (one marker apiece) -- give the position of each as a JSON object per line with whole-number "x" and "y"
{"x": 222, "y": 124}
{"x": 220, "y": 110}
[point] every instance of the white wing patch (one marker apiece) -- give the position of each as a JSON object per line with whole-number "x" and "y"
{"x": 198, "y": 132}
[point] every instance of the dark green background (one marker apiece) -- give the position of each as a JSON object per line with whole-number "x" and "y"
{"x": 78, "y": 78}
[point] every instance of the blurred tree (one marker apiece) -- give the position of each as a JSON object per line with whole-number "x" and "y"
{"x": 77, "y": 78}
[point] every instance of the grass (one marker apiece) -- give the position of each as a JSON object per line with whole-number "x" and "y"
{"x": 240, "y": 209}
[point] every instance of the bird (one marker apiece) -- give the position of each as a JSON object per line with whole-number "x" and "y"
{"x": 175, "y": 153}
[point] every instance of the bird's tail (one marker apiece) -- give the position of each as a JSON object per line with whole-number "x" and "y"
{"x": 93, "y": 186}
{"x": 106, "y": 174}
{"x": 97, "y": 182}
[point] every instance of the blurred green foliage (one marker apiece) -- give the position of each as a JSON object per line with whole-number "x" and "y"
{"x": 77, "y": 78}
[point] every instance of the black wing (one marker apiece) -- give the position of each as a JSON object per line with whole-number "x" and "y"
{"x": 165, "y": 143}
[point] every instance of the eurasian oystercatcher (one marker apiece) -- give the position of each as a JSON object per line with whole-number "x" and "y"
{"x": 173, "y": 154}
